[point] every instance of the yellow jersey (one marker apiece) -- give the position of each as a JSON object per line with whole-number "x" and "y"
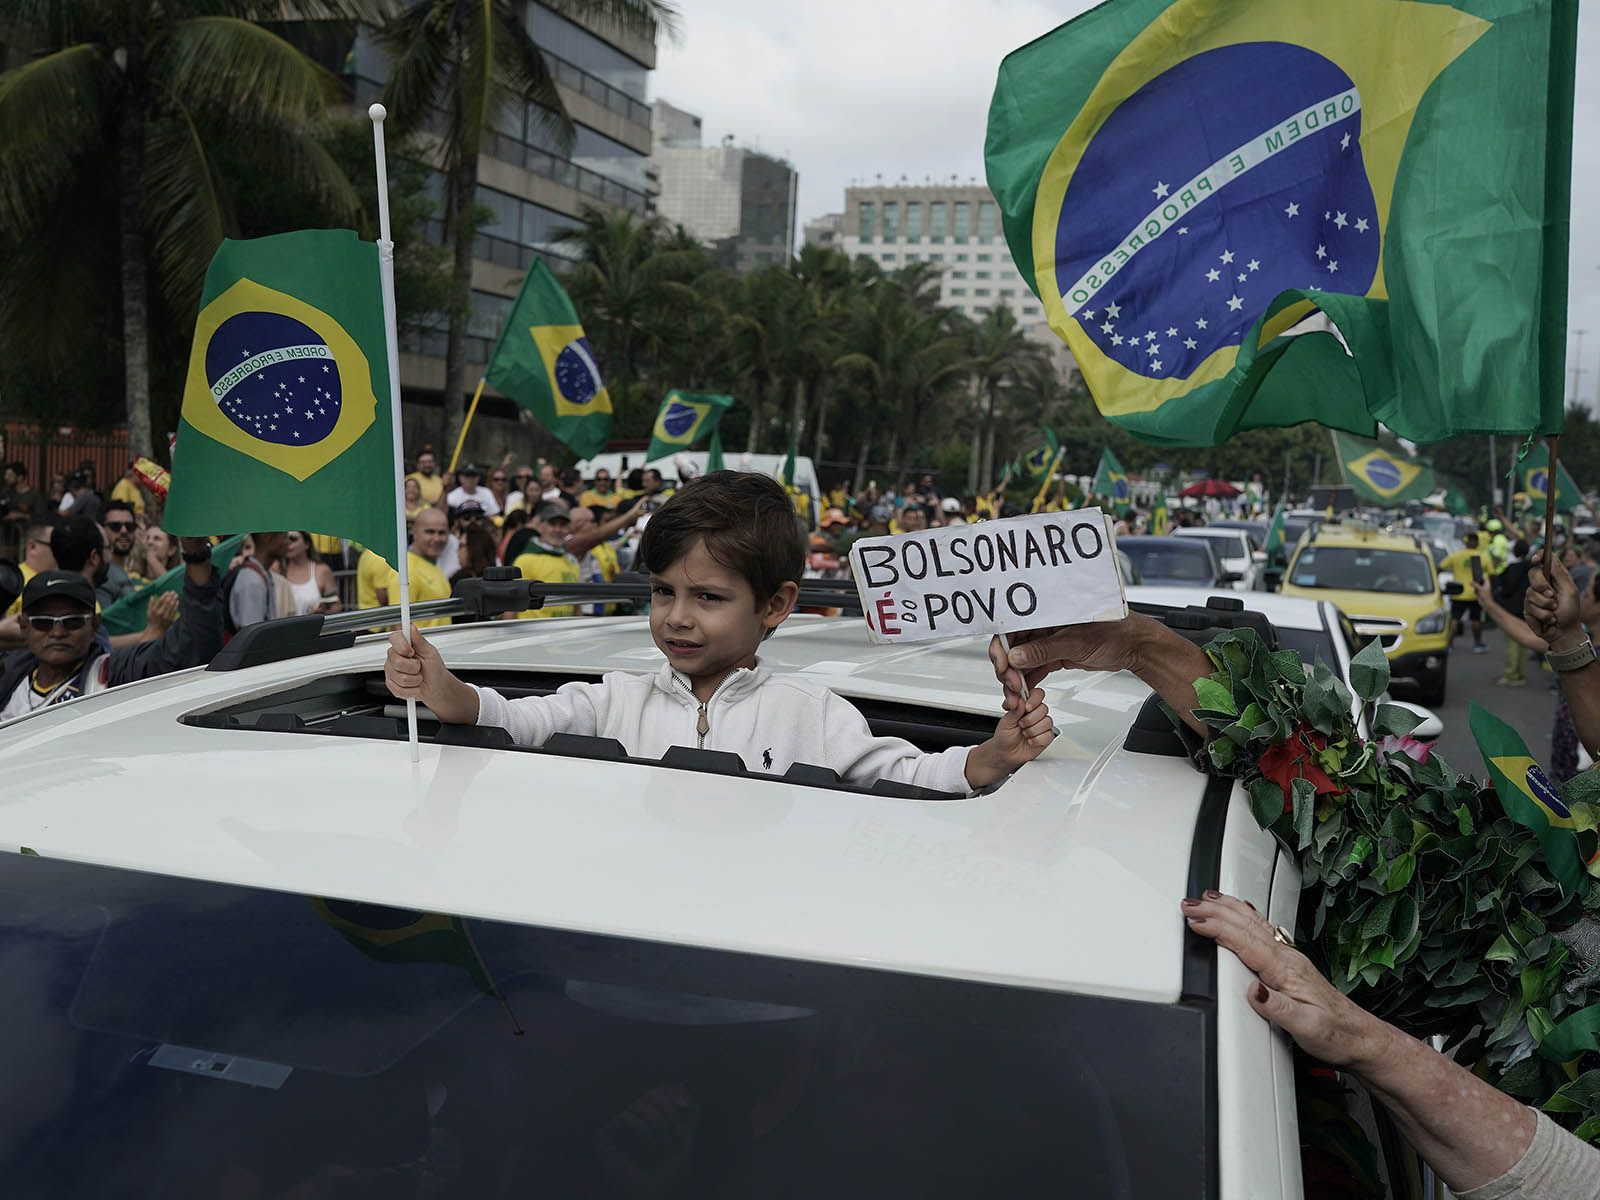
{"x": 594, "y": 499}
{"x": 27, "y": 574}
{"x": 372, "y": 575}
{"x": 425, "y": 581}
{"x": 1459, "y": 565}
{"x": 431, "y": 486}
{"x": 541, "y": 564}
{"x": 127, "y": 491}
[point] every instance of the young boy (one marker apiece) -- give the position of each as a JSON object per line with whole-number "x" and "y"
{"x": 724, "y": 557}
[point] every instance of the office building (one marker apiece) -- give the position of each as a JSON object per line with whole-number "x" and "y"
{"x": 531, "y": 187}
{"x": 826, "y": 231}
{"x": 955, "y": 227}
{"x": 737, "y": 202}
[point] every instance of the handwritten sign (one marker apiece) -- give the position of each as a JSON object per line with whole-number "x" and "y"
{"x": 992, "y": 577}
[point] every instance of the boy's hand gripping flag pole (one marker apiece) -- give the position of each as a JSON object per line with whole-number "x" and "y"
{"x": 392, "y": 337}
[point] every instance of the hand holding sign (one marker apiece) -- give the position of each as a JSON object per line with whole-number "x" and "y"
{"x": 1048, "y": 569}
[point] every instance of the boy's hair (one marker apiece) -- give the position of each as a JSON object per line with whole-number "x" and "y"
{"x": 73, "y": 541}
{"x": 748, "y": 525}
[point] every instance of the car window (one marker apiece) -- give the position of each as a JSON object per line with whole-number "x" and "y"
{"x": 1357, "y": 568}
{"x": 201, "y": 1040}
{"x": 1171, "y": 559}
{"x": 1229, "y": 543}
{"x": 1309, "y": 644}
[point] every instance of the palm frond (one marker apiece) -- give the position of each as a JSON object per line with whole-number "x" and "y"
{"x": 185, "y": 214}
{"x": 224, "y": 64}
{"x": 522, "y": 69}
{"x": 642, "y": 18}
{"x": 53, "y": 111}
{"x": 420, "y": 46}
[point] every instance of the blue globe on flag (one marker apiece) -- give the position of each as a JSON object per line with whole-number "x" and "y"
{"x": 679, "y": 420}
{"x": 1539, "y": 481}
{"x": 577, "y": 376}
{"x": 1382, "y": 473}
{"x": 274, "y": 378}
{"x": 1200, "y": 225}
{"x": 1544, "y": 791}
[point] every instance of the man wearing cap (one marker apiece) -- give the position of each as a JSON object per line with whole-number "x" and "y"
{"x": 62, "y": 656}
{"x": 950, "y": 506}
{"x": 544, "y": 560}
{"x": 469, "y": 488}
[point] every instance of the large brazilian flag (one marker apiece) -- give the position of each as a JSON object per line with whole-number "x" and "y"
{"x": 1184, "y": 182}
{"x": 1533, "y": 476}
{"x": 285, "y": 421}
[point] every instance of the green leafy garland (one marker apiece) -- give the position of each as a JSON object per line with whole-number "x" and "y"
{"x": 1429, "y": 906}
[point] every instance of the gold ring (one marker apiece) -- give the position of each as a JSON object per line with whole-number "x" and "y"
{"x": 1280, "y": 934}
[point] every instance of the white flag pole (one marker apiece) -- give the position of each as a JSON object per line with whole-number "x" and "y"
{"x": 386, "y": 275}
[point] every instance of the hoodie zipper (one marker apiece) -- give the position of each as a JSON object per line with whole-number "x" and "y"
{"x": 702, "y": 723}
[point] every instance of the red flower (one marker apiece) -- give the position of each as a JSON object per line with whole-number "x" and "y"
{"x": 1293, "y": 759}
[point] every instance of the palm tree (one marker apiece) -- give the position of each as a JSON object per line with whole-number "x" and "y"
{"x": 129, "y": 104}
{"x": 472, "y": 60}
{"x": 1001, "y": 354}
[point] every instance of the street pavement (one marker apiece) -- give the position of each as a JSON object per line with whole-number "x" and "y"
{"x": 1529, "y": 710}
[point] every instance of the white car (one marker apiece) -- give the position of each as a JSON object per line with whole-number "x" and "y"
{"x": 1233, "y": 550}
{"x": 249, "y": 947}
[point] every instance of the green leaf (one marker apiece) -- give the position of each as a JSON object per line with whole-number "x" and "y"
{"x": 1581, "y": 1095}
{"x": 1214, "y": 696}
{"x": 1289, "y": 666}
{"x": 1400, "y": 872}
{"x": 1266, "y": 801}
{"x": 1377, "y": 918}
{"x": 1392, "y": 719}
{"x": 1464, "y": 821}
{"x": 1305, "y": 808}
{"x": 29, "y": 850}
{"x": 1369, "y": 671}
{"x": 1361, "y": 851}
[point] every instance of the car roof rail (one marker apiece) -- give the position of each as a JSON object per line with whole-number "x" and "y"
{"x": 498, "y": 591}
{"x": 1200, "y": 623}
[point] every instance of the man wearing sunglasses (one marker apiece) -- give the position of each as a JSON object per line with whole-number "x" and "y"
{"x": 62, "y": 658}
{"x": 120, "y": 526}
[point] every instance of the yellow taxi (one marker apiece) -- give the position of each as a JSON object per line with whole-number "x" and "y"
{"x": 1386, "y": 584}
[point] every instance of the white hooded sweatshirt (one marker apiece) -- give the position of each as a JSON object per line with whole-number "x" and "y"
{"x": 770, "y": 721}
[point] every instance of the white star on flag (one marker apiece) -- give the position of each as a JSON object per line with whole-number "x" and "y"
{"x": 1171, "y": 332}
{"x": 1361, "y": 225}
{"x": 1344, "y": 142}
{"x": 1254, "y": 264}
{"x": 1292, "y": 211}
{"x": 1151, "y": 336}
{"x": 1153, "y": 351}
{"x": 1156, "y": 365}
{"x": 1200, "y": 324}
{"x": 1190, "y": 343}
{"x": 1213, "y": 275}
{"x": 1235, "y": 303}
{"x": 1113, "y": 311}
{"x": 1243, "y": 277}
{"x": 1333, "y": 266}
{"x": 1322, "y": 252}
{"x": 1116, "y": 339}
{"x": 1182, "y": 229}
{"x": 1340, "y": 221}
{"x": 1227, "y": 256}
{"x": 324, "y": 370}
{"x": 1160, "y": 190}
{"x": 1108, "y": 327}
{"x": 1088, "y": 314}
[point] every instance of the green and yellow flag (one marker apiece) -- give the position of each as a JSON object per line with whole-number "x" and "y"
{"x": 1110, "y": 480}
{"x": 403, "y": 935}
{"x": 1533, "y": 477}
{"x": 1160, "y": 523}
{"x": 683, "y": 419}
{"x": 1531, "y": 800}
{"x": 544, "y": 362}
{"x": 1379, "y": 475}
{"x": 1038, "y": 461}
{"x": 131, "y": 613}
{"x": 1183, "y": 182}
{"x": 1274, "y": 548}
{"x": 285, "y": 421}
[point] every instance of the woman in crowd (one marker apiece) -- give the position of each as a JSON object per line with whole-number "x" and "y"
{"x": 414, "y": 501}
{"x": 310, "y": 579}
{"x": 155, "y": 552}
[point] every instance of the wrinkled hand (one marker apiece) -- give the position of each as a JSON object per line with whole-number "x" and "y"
{"x": 1035, "y": 653}
{"x": 1289, "y": 992}
{"x": 161, "y": 612}
{"x": 1551, "y": 607}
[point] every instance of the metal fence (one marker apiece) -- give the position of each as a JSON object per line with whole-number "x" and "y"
{"x": 47, "y": 451}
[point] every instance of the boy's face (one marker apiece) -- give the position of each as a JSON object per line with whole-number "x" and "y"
{"x": 706, "y": 618}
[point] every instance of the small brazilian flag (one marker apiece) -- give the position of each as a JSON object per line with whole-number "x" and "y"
{"x": 1274, "y": 548}
{"x": 404, "y": 935}
{"x": 1533, "y": 474}
{"x": 544, "y": 362}
{"x": 1531, "y": 800}
{"x": 1111, "y": 481}
{"x": 685, "y": 418}
{"x": 1037, "y": 462}
{"x": 285, "y": 421}
{"x": 1382, "y": 476}
{"x": 1160, "y": 523}
{"x": 1184, "y": 182}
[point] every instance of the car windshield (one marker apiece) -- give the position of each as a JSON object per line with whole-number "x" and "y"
{"x": 1358, "y": 569}
{"x": 201, "y": 1040}
{"x": 1169, "y": 558}
{"x": 1230, "y": 543}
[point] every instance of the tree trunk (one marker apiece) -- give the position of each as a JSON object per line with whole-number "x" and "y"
{"x": 135, "y": 271}
{"x": 975, "y": 450}
{"x": 462, "y": 189}
{"x": 758, "y": 406}
{"x": 797, "y": 414}
{"x": 861, "y": 461}
{"x": 821, "y": 423}
{"x": 893, "y": 460}
{"x": 988, "y": 438}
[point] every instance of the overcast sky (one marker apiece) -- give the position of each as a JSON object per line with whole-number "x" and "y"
{"x": 849, "y": 90}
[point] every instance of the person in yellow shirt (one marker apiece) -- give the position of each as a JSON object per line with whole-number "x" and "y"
{"x": 127, "y": 491}
{"x": 1465, "y": 607}
{"x": 543, "y": 561}
{"x": 373, "y": 576}
{"x": 36, "y": 557}
{"x": 425, "y": 581}
{"x": 603, "y": 494}
{"x": 429, "y": 483}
